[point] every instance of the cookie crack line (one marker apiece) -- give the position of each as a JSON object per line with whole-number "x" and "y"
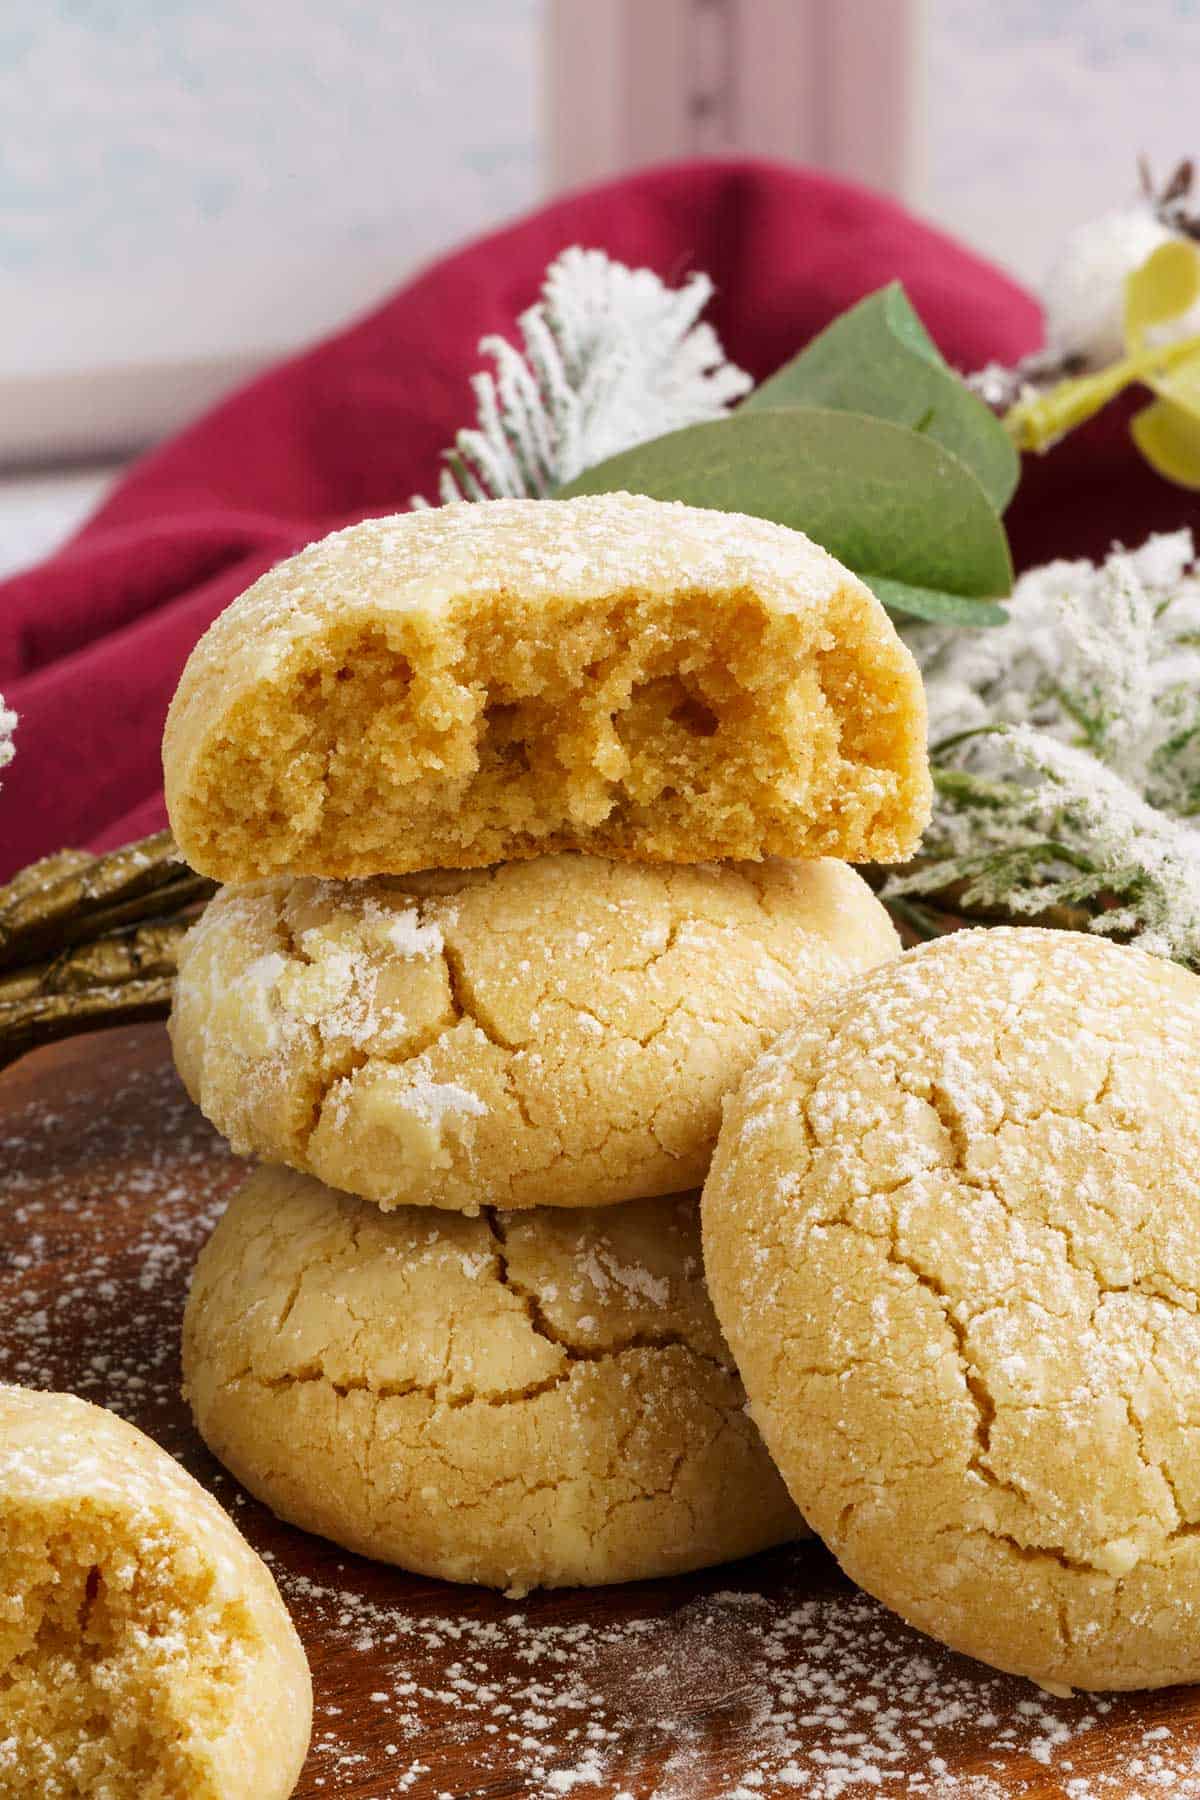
{"x": 973, "y": 1378}
{"x": 331, "y": 1071}
{"x": 950, "y": 1120}
{"x": 975, "y": 1386}
{"x": 335, "y": 1070}
{"x": 937, "y": 1096}
{"x": 464, "y": 1007}
{"x": 1055, "y": 1554}
{"x": 985, "y": 1410}
{"x": 1047, "y": 1553}
{"x": 466, "y": 1003}
{"x": 290, "y": 1299}
{"x": 673, "y": 930}
{"x": 984, "y": 1405}
{"x": 628, "y": 1502}
{"x": 940, "y": 1100}
{"x": 641, "y": 1340}
{"x": 1184, "y": 1526}
{"x": 454, "y": 1400}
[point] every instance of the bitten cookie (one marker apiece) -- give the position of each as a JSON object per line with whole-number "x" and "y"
{"x": 558, "y": 1032}
{"x": 476, "y": 683}
{"x": 521, "y": 1400}
{"x": 145, "y": 1653}
{"x": 952, "y": 1232}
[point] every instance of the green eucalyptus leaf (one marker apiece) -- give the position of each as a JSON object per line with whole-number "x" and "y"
{"x": 933, "y": 604}
{"x": 879, "y": 359}
{"x": 908, "y": 325}
{"x": 885, "y": 500}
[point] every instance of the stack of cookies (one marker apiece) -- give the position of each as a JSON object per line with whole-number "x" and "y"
{"x": 534, "y": 820}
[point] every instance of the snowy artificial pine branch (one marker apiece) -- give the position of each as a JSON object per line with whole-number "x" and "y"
{"x": 611, "y": 357}
{"x": 8, "y": 724}
{"x": 1066, "y": 750}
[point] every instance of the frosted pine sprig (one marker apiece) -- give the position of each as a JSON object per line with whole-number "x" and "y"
{"x": 1073, "y": 834}
{"x": 610, "y": 358}
{"x": 8, "y": 724}
{"x": 1066, "y": 751}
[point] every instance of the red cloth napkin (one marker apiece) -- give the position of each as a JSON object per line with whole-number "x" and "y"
{"x": 92, "y": 642}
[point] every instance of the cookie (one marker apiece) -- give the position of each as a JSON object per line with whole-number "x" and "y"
{"x": 476, "y": 683}
{"x": 519, "y": 1400}
{"x": 558, "y": 1032}
{"x": 145, "y": 1653}
{"x": 952, "y": 1232}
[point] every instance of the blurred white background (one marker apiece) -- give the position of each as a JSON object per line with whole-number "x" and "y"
{"x": 191, "y": 187}
{"x": 200, "y": 184}
{"x": 1035, "y": 111}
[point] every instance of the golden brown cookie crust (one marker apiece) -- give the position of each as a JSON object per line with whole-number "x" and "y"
{"x": 145, "y": 1653}
{"x": 520, "y": 1400}
{"x": 482, "y": 682}
{"x": 559, "y": 1032}
{"x": 952, "y": 1232}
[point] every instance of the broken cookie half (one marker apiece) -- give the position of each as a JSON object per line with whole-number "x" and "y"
{"x": 484, "y": 682}
{"x": 145, "y": 1653}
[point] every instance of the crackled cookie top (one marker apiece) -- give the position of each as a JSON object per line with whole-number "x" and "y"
{"x": 145, "y": 1653}
{"x": 559, "y": 1032}
{"x": 520, "y": 1399}
{"x": 952, "y": 1233}
{"x": 481, "y": 682}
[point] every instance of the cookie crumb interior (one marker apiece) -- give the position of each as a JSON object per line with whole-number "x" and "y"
{"x": 676, "y": 726}
{"x": 118, "y": 1662}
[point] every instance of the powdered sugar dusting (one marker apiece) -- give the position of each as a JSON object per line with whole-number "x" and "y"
{"x": 88, "y": 1263}
{"x": 604, "y": 1270}
{"x": 770, "y": 1678}
{"x": 406, "y": 933}
{"x": 736, "y": 1693}
{"x": 435, "y": 1101}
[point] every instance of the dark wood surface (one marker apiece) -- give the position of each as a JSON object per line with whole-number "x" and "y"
{"x": 772, "y": 1677}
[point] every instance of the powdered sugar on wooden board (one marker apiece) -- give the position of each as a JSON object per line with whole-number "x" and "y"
{"x": 776, "y": 1691}
{"x": 769, "y": 1678}
{"x": 103, "y": 1210}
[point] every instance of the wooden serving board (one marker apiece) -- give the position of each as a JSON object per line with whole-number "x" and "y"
{"x": 767, "y": 1678}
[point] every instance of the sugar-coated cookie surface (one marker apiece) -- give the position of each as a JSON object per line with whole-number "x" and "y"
{"x": 481, "y": 682}
{"x": 556, "y": 1032}
{"x": 145, "y": 1653}
{"x": 520, "y": 1400}
{"x": 952, "y": 1232}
